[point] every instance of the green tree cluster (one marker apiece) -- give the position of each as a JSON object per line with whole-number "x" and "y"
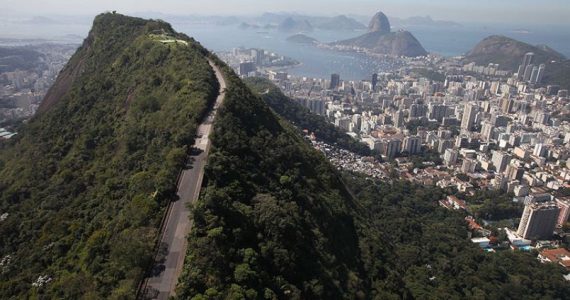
{"x": 86, "y": 182}
{"x": 274, "y": 221}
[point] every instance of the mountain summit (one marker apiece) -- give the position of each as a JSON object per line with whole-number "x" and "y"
{"x": 379, "y": 23}
{"x": 381, "y": 40}
{"x": 87, "y": 180}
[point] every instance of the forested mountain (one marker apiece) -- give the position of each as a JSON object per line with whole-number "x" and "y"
{"x": 85, "y": 183}
{"x": 276, "y": 221}
{"x": 508, "y": 53}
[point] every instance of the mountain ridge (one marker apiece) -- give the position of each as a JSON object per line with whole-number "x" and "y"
{"x": 292, "y": 25}
{"x": 86, "y": 181}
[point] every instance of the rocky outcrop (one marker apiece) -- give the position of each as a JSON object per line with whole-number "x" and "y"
{"x": 381, "y": 40}
{"x": 379, "y": 23}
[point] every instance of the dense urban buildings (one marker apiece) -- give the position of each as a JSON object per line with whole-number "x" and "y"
{"x": 26, "y": 76}
{"x": 468, "y": 128}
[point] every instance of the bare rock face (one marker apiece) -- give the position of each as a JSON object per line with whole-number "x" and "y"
{"x": 379, "y": 23}
{"x": 379, "y": 39}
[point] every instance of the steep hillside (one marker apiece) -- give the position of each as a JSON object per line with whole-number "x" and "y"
{"x": 379, "y": 23}
{"x": 559, "y": 74}
{"x": 83, "y": 188}
{"x": 84, "y": 185}
{"x": 302, "y": 118}
{"x": 508, "y": 53}
{"x": 275, "y": 220}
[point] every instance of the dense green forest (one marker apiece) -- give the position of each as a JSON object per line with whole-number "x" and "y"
{"x": 301, "y": 117}
{"x": 429, "y": 255}
{"x": 274, "y": 220}
{"x": 493, "y": 205}
{"x": 277, "y": 222}
{"x": 85, "y": 183}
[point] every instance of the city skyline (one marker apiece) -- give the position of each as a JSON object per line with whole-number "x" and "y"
{"x": 514, "y": 12}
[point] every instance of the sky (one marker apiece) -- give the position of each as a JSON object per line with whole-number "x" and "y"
{"x": 492, "y": 11}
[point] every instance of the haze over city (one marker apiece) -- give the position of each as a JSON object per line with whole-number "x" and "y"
{"x": 508, "y": 11}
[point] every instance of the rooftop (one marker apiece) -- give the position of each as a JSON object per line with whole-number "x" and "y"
{"x": 559, "y": 255}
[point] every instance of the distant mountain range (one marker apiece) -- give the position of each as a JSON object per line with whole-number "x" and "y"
{"x": 380, "y": 39}
{"x": 292, "y": 22}
{"x": 352, "y": 22}
{"x": 422, "y": 21}
{"x": 341, "y": 22}
{"x": 292, "y": 25}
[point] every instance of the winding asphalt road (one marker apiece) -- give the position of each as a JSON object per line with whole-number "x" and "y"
{"x": 173, "y": 243}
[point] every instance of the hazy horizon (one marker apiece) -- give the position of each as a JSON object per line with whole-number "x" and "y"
{"x": 553, "y": 12}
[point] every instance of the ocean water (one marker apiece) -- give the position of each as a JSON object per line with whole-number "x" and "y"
{"x": 447, "y": 41}
{"x": 315, "y": 62}
{"x": 451, "y": 41}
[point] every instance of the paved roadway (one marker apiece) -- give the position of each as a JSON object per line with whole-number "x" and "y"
{"x": 173, "y": 244}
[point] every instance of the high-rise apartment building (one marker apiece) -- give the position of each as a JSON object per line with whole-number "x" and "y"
{"x": 469, "y": 115}
{"x": 469, "y": 165}
{"x": 541, "y": 70}
{"x": 246, "y": 67}
{"x": 412, "y": 144}
{"x": 500, "y": 160}
{"x": 450, "y": 157}
{"x": 528, "y": 58}
{"x": 527, "y": 72}
{"x": 538, "y": 220}
{"x": 564, "y": 206}
{"x": 374, "y": 81}
{"x": 335, "y": 81}
{"x": 392, "y": 148}
{"x": 399, "y": 119}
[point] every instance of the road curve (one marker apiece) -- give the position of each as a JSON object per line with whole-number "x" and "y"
{"x": 168, "y": 265}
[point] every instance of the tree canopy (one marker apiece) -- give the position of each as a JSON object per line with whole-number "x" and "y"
{"x": 86, "y": 181}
